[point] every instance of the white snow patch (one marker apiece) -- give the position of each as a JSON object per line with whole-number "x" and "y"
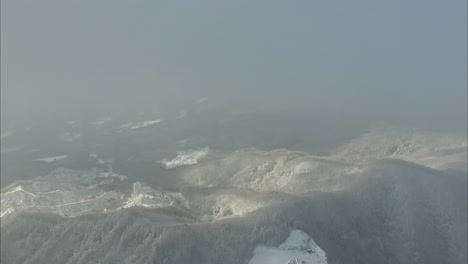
{"x": 184, "y": 141}
{"x": 299, "y": 248}
{"x": 146, "y": 123}
{"x": 108, "y": 174}
{"x": 52, "y": 159}
{"x": 186, "y": 158}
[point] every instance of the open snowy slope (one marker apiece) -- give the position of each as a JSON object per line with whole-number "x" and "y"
{"x": 299, "y": 248}
{"x": 278, "y": 170}
{"x": 435, "y": 150}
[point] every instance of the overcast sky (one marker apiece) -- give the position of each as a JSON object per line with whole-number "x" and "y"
{"x": 392, "y": 60}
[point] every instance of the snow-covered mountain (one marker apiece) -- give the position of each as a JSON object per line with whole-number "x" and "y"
{"x": 64, "y": 192}
{"x": 434, "y": 150}
{"x": 70, "y": 193}
{"x": 388, "y": 196}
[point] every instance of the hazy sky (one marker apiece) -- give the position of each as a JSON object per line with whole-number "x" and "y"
{"x": 393, "y": 60}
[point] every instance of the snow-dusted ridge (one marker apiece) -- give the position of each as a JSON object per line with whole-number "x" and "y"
{"x": 71, "y": 193}
{"x": 277, "y": 170}
{"x": 145, "y": 124}
{"x": 299, "y": 248}
{"x": 184, "y": 158}
{"x": 435, "y": 150}
{"x": 63, "y": 192}
{"x": 52, "y": 159}
{"x": 145, "y": 196}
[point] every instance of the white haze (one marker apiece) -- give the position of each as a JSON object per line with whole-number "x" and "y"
{"x": 234, "y": 132}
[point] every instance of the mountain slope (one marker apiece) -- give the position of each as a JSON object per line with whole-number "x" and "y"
{"x": 397, "y": 212}
{"x": 382, "y": 198}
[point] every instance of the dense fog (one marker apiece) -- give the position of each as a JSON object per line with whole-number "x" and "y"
{"x": 388, "y": 61}
{"x": 243, "y": 132}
